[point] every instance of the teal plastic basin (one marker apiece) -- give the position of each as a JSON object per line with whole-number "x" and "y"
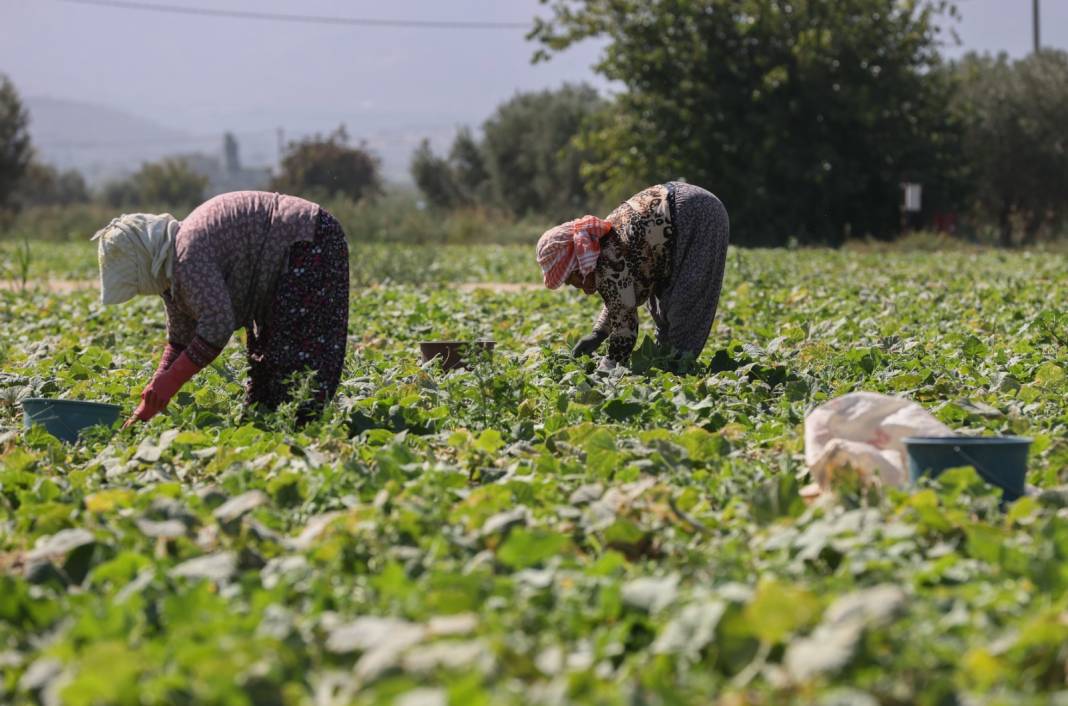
{"x": 999, "y": 460}
{"x": 65, "y": 419}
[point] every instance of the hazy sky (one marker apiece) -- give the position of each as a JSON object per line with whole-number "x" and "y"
{"x": 199, "y": 72}
{"x": 206, "y": 74}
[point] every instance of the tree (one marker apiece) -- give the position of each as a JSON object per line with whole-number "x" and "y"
{"x": 1014, "y": 115}
{"x": 15, "y": 150}
{"x": 459, "y": 180}
{"x": 44, "y": 185}
{"x": 531, "y": 155}
{"x": 468, "y": 165}
{"x": 528, "y": 162}
{"x": 803, "y": 116}
{"x": 327, "y": 166}
{"x": 434, "y": 177}
{"x": 120, "y": 193}
{"x": 169, "y": 182}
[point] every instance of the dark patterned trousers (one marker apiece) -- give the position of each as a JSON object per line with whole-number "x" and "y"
{"x": 308, "y": 327}
{"x": 683, "y": 309}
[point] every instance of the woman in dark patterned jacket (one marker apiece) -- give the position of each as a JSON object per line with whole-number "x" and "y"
{"x": 664, "y": 247}
{"x": 275, "y": 265}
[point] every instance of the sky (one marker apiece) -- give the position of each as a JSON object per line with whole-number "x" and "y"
{"x": 198, "y": 71}
{"x": 202, "y": 75}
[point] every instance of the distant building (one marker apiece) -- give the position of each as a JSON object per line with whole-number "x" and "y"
{"x": 224, "y": 172}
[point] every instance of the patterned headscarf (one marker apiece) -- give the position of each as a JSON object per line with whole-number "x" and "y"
{"x": 571, "y": 246}
{"x": 136, "y": 255}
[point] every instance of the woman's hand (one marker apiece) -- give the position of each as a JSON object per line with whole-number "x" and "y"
{"x": 150, "y": 406}
{"x": 164, "y": 386}
{"x": 153, "y": 400}
{"x": 588, "y": 344}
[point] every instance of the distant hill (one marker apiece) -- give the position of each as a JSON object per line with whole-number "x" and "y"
{"x": 106, "y": 143}
{"x": 102, "y": 142}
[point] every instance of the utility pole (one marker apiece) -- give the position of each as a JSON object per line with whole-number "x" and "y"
{"x": 1037, "y": 21}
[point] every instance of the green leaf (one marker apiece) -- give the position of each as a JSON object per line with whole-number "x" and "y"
{"x": 1049, "y": 376}
{"x": 531, "y": 547}
{"x": 778, "y": 610}
{"x": 600, "y": 448}
{"x": 624, "y": 534}
{"x": 973, "y": 347}
{"x": 489, "y": 441}
{"x": 702, "y": 445}
{"x": 984, "y": 543}
{"x": 620, "y": 410}
{"x": 192, "y": 438}
{"x": 109, "y": 500}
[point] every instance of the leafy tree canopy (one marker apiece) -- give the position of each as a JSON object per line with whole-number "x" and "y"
{"x": 803, "y": 116}
{"x": 323, "y": 167}
{"x": 167, "y": 183}
{"x": 1014, "y": 115}
{"x": 15, "y": 149}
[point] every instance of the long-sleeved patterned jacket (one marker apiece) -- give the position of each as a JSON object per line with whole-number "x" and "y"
{"x": 229, "y": 253}
{"x": 635, "y": 261}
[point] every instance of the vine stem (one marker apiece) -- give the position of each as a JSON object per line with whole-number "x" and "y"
{"x": 742, "y": 678}
{"x": 687, "y": 518}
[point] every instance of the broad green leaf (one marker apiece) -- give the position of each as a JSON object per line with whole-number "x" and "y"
{"x": 525, "y": 547}
{"x": 779, "y": 609}
{"x": 1049, "y": 376}
{"x": 489, "y": 441}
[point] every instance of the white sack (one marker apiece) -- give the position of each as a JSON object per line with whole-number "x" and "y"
{"x": 864, "y": 431}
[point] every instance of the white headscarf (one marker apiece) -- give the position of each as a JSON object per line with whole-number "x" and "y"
{"x": 136, "y": 255}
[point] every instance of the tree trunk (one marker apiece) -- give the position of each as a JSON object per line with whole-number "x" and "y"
{"x": 1005, "y": 226}
{"x": 1034, "y": 224}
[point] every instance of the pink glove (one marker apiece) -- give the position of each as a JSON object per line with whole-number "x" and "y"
{"x": 164, "y": 386}
{"x": 170, "y": 354}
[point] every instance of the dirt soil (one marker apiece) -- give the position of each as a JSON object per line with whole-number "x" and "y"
{"x": 59, "y": 286}
{"x": 499, "y": 287}
{"x": 64, "y": 286}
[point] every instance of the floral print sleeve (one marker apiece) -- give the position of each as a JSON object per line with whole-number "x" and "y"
{"x": 183, "y": 335}
{"x": 180, "y": 326}
{"x": 635, "y": 260}
{"x": 209, "y": 301}
{"x": 619, "y": 318}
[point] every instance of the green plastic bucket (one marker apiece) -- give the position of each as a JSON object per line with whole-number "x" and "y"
{"x": 999, "y": 460}
{"x": 65, "y": 419}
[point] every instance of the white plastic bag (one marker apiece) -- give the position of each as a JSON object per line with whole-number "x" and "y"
{"x": 864, "y": 431}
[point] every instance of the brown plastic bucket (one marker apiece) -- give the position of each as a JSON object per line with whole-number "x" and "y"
{"x": 453, "y": 354}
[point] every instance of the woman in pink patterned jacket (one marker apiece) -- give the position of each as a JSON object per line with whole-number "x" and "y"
{"x": 272, "y": 264}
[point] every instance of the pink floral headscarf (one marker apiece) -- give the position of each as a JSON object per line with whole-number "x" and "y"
{"x": 570, "y": 246}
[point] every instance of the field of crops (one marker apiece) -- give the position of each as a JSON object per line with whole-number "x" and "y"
{"x": 534, "y": 530}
